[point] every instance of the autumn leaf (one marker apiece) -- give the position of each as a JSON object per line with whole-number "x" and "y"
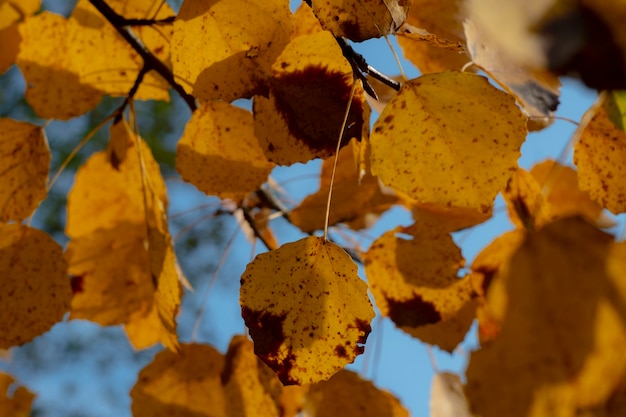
{"x": 24, "y": 166}
{"x": 35, "y": 289}
{"x": 123, "y": 218}
{"x": 11, "y": 14}
{"x": 412, "y": 274}
{"x": 305, "y": 22}
{"x": 560, "y": 300}
{"x": 359, "y": 20}
{"x": 210, "y": 152}
{"x": 311, "y": 80}
{"x": 416, "y": 136}
{"x": 616, "y": 108}
{"x": 18, "y": 404}
{"x": 600, "y": 155}
{"x": 441, "y": 19}
{"x": 294, "y": 303}
{"x": 345, "y": 394}
{"x": 237, "y": 56}
{"x": 356, "y": 200}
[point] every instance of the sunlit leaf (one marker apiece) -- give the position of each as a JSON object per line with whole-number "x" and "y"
{"x": 616, "y": 108}
{"x": 35, "y": 289}
{"x": 413, "y": 277}
{"x": 54, "y": 88}
{"x": 356, "y": 201}
{"x": 210, "y": 152}
{"x": 347, "y": 394}
{"x": 441, "y": 19}
{"x": 560, "y": 300}
{"x": 600, "y": 155}
{"x": 236, "y": 56}
{"x": 302, "y": 302}
{"x": 14, "y": 403}
{"x": 359, "y": 20}
{"x": 123, "y": 218}
{"x": 454, "y": 124}
{"x": 24, "y": 166}
{"x": 312, "y": 82}
{"x": 11, "y": 13}
{"x": 305, "y": 22}
{"x": 444, "y": 219}
{"x": 185, "y": 384}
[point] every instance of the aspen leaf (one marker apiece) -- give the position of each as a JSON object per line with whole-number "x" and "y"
{"x": 305, "y": 22}
{"x": 54, "y": 89}
{"x": 24, "y": 166}
{"x": 359, "y": 20}
{"x": 345, "y": 394}
{"x": 600, "y": 155}
{"x": 302, "y": 302}
{"x": 445, "y": 219}
{"x": 454, "y": 124}
{"x": 441, "y": 22}
{"x": 11, "y": 13}
{"x": 562, "y": 340}
{"x": 536, "y": 91}
{"x": 185, "y": 384}
{"x": 209, "y": 154}
{"x": 525, "y": 202}
{"x": 356, "y": 201}
{"x": 311, "y": 81}
{"x": 413, "y": 278}
{"x": 112, "y": 222}
{"x": 33, "y": 279}
{"x": 237, "y": 55}
{"x": 19, "y": 403}
{"x": 104, "y": 60}
{"x": 616, "y": 108}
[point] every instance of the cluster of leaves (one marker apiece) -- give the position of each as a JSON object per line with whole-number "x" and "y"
{"x": 549, "y": 296}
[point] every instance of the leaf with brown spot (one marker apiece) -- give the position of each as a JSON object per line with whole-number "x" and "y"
{"x": 24, "y": 167}
{"x": 209, "y": 154}
{"x": 238, "y": 62}
{"x": 413, "y": 277}
{"x": 347, "y": 394}
{"x": 600, "y": 155}
{"x": 561, "y": 304}
{"x": 311, "y": 82}
{"x": 453, "y": 124}
{"x": 300, "y": 302}
{"x": 359, "y": 20}
{"x": 35, "y": 290}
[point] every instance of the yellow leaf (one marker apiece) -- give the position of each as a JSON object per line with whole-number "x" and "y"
{"x": 413, "y": 278}
{"x": 445, "y": 219}
{"x": 104, "y": 60}
{"x": 359, "y": 20}
{"x": 115, "y": 213}
{"x": 236, "y": 55}
{"x": 33, "y": 277}
{"x": 11, "y": 13}
{"x": 185, "y": 384}
{"x": 454, "y": 124}
{"x": 440, "y": 18}
{"x": 19, "y": 403}
{"x": 357, "y": 201}
{"x": 210, "y": 152}
{"x": 305, "y": 22}
{"x": 302, "y": 302}
{"x": 600, "y": 155}
{"x": 525, "y": 201}
{"x": 346, "y": 394}
{"x": 54, "y": 89}
{"x": 24, "y": 166}
{"x": 562, "y": 343}
{"x": 312, "y": 82}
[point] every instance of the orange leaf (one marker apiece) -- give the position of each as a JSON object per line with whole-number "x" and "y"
{"x": 454, "y": 124}
{"x": 237, "y": 63}
{"x": 600, "y": 155}
{"x": 24, "y": 166}
{"x": 562, "y": 340}
{"x": 19, "y": 403}
{"x": 209, "y": 152}
{"x": 359, "y": 20}
{"x": 312, "y": 82}
{"x": 413, "y": 278}
{"x": 33, "y": 274}
{"x": 11, "y": 13}
{"x": 293, "y": 301}
{"x": 347, "y": 394}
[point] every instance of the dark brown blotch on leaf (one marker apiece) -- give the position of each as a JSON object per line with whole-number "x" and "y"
{"x": 414, "y": 312}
